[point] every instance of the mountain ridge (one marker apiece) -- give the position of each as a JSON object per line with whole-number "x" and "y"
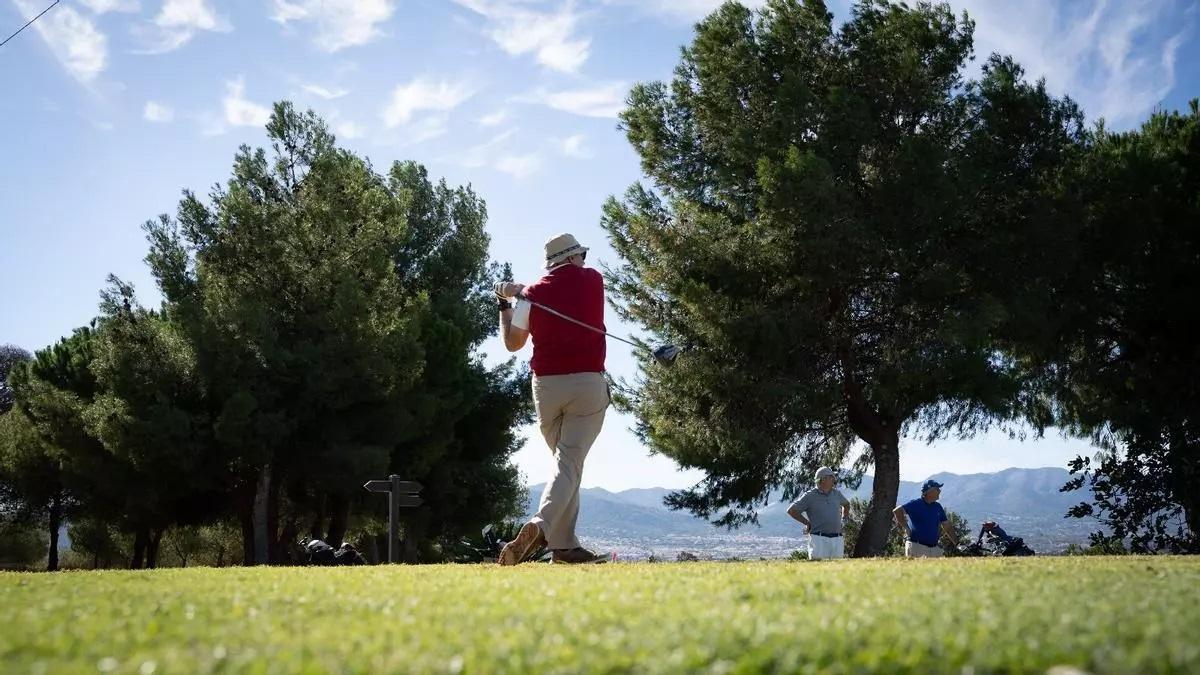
{"x": 1026, "y": 501}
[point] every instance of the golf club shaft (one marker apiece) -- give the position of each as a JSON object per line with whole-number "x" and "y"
{"x": 577, "y": 322}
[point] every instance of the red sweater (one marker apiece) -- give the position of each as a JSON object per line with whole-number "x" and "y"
{"x": 560, "y": 347}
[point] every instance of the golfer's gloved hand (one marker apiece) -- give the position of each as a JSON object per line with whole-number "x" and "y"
{"x": 507, "y": 289}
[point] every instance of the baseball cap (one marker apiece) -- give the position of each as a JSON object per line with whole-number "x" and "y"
{"x": 930, "y": 484}
{"x": 823, "y": 472}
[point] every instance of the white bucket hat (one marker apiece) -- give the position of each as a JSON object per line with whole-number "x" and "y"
{"x": 560, "y": 247}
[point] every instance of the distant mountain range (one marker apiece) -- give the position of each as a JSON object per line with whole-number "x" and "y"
{"x": 636, "y": 524}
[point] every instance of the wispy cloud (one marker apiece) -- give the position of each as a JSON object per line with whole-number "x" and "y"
{"x": 679, "y": 11}
{"x": 605, "y": 100}
{"x": 574, "y": 146}
{"x": 549, "y": 36}
{"x": 1116, "y": 58}
{"x": 349, "y": 130}
{"x": 339, "y": 23}
{"x": 239, "y": 111}
{"x": 482, "y": 154}
{"x": 157, "y": 112}
{"x": 322, "y": 92}
{"x": 105, "y": 6}
{"x": 177, "y": 23}
{"x": 423, "y": 95}
{"x": 494, "y": 119}
{"x": 520, "y": 166}
{"x": 73, "y": 39}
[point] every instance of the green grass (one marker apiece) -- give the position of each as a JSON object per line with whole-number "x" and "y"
{"x": 1129, "y": 614}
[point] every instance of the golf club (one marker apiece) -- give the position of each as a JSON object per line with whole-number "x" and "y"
{"x": 664, "y": 354}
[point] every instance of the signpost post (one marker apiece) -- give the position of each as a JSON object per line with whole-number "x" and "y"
{"x": 401, "y": 493}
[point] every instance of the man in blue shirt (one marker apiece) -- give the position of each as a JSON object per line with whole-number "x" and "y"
{"x": 928, "y": 519}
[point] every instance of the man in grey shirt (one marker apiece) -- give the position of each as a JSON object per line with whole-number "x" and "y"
{"x": 821, "y": 511}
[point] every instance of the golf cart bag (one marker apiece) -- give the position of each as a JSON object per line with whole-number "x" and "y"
{"x": 994, "y": 541}
{"x": 320, "y": 553}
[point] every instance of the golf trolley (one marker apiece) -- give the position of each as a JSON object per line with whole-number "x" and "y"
{"x": 994, "y": 541}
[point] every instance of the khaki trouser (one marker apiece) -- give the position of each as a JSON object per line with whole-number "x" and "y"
{"x": 570, "y": 410}
{"x": 914, "y": 550}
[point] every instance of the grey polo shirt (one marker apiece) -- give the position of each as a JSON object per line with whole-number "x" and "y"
{"x": 824, "y": 511}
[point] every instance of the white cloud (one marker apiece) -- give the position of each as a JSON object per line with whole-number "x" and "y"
{"x": 422, "y": 94}
{"x": 1117, "y": 59}
{"x": 480, "y": 155}
{"x": 549, "y": 36}
{"x": 573, "y": 146}
{"x": 157, "y": 112}
{"x": 177, "y": 23}
{"x": 73, "y": 39}
{"x": 339, "y": 23}
{"x": 105, "y": 6}
{"x": 349, "y": 130}
{"x": 327, "y": 94}
{"x": 679, "y": 10}
{"x": 238, "y": 110}
{"x": 494, "y": 119}
{"x": 519, "y": 166}
{"x": 604, "y": 100}
{"x": 426, "y": 128}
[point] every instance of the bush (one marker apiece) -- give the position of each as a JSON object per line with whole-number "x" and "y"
{"x": 22, "y": 545}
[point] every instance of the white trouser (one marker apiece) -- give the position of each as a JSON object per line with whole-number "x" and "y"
{"x": 914, "y": 550}
{"x": 824, "y": 548}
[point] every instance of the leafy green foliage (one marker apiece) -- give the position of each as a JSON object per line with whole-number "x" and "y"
{"x": 837, "y": 229}
{"x": 22, "y": 543}
{"x": 10, "y": 356}
{"x": 1124, "y": 367}
{"x": 319, "y": 329}
{"x": 991, "y": 615}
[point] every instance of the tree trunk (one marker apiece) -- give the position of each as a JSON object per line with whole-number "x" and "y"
{"x": 141, "y": 539}
{"x": 314, "y": 530}
{"x": 284, "y": 546}
{"x": 56, "y": 512}
{"x": 339, "y": 518}
{"x": 877, "y": 522}
{"x": 377, "y": 552}
{"x": 880, "y": 428}
{"x": 245, "y": 506}
{"x": 275, "y": 554}
{"x": 262, "y": 498}
{"x": 416, "y": 526}
{"x": 152, "y": 549}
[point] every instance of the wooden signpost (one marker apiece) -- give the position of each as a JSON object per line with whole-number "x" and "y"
{"x": 401, "y": 493}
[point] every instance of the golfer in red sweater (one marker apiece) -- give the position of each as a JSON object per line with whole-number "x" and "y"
{"x": 570, "y": 393}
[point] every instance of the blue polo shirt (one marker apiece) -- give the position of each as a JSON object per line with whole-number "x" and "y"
{"x": 926, "y": 518}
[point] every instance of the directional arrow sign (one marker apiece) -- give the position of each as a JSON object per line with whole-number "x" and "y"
{"x": 379, "y": 485}
{"x": 401, "y": 494}
{"x": 408, "y": 500}
{"x": 403, "y": 487}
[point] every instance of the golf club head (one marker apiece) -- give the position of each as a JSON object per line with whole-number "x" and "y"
{"x": 666, "y": 354}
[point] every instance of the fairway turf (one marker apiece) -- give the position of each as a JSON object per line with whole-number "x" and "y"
{"x": 1130, "y": 614}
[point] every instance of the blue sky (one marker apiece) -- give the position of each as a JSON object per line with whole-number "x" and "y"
{"x": 111, "y": 107}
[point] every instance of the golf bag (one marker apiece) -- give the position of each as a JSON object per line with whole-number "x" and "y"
{"x": 320, "y": 553}
{"x": 994, "y": 541}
